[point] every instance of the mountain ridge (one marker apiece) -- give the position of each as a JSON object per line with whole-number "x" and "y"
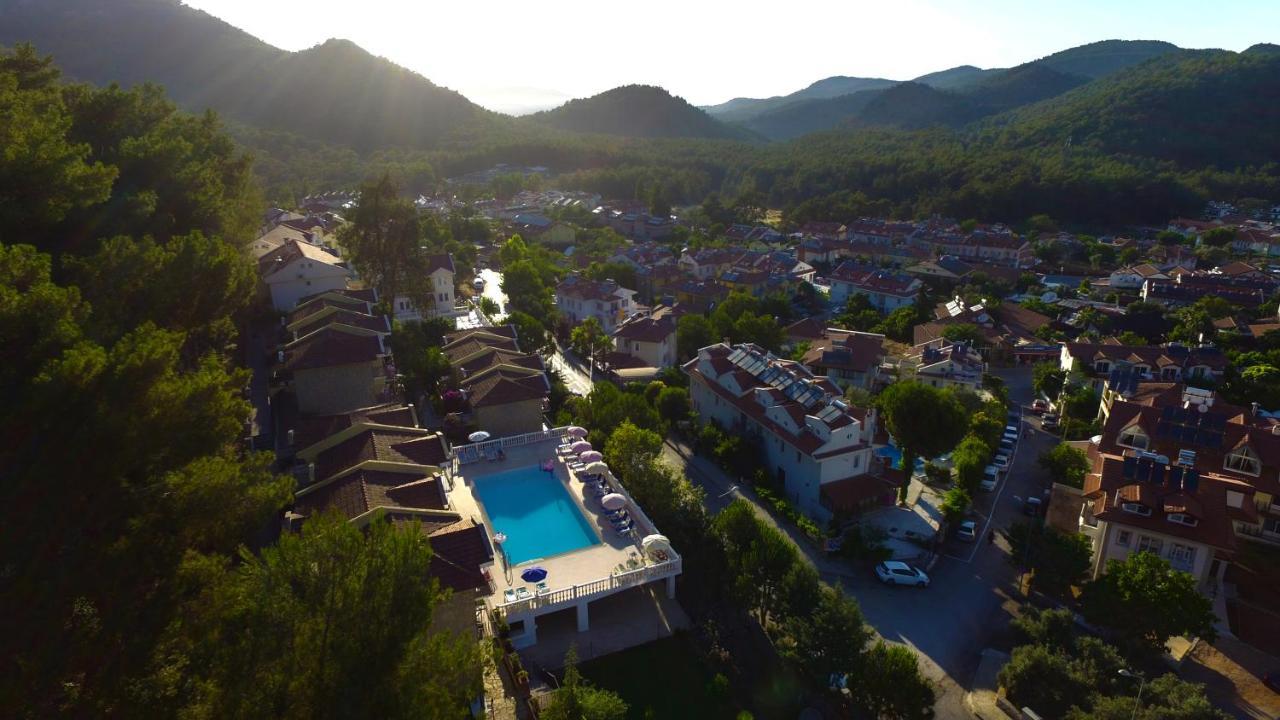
{"x": 638, "y": 111}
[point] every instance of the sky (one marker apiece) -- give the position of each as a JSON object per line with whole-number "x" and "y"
{"x": 514, "y": 56}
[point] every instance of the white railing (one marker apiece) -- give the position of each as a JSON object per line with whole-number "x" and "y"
{"x": 564, "y": 597}
{"x": 474, "y": 452}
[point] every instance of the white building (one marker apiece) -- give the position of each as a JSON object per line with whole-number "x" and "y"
{"x": 440, "y": 283}
{"x": 810, "y": 439}
{"x": 295, "y": 270}
{"x": 578, "y": 298}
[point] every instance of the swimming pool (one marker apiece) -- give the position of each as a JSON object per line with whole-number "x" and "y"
{"x": 534, "y": 510}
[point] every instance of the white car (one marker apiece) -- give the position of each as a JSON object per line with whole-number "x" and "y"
{"x": 968, "y": 531}
{"x": 990, "y": 478}
{"x": 892, "y": 572}
{"x": 1001, "y": 461}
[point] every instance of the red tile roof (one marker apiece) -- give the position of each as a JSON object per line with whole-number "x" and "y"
{"x": 331, "y": 347}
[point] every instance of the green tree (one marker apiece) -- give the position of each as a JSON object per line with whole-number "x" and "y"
{"x": 384, "y": 241}
{"x": 890, "y": 685}
{"x": 923, "y": 420}
{"x": 1145, "y": 602}
{"x": 673, "y": 404}
{"x": 1047, "y": 379}
{"x": 1058, "y": 560}
{"x": 1065, "y": 464}
{"x": 970, "y": 460}
{"x": 322, "y": 586}
{"x": 830, "y": 636}
{"x": 1042, "y": 679}
{"x": 576, "y": 699}
{"x": 901, "y": 323}
{"x": 589, "y": 340}
{"x": 1219, "y": 237}
{"x": 987, "y": 427}
{"x": 531, "y": 333}
{"x": 1164, "y": 698}
{"x": 693, "y": 332}
{"x": 758, "y": 556}
{"x": 955, "y": 503}
{"x": 1054, "y": 629}
{"x": 526, "y": 292}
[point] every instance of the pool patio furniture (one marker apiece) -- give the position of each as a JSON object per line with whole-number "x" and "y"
{"x": 541, "y": 588}
{"x": 509, "y": 595}
{"x": 522, "y": 593}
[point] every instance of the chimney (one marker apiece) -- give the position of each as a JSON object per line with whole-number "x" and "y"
{"x": 725, "y": 340}
{"x": 280, "y": 356}
{"x": 288, "y": 438}
{"x": 1255, "y": 407}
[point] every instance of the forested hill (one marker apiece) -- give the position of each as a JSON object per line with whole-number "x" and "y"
{"x": 637, "y": 111}
{"x": 952, "y": 97}
{"x": 336, "y": 92}
{"x": 743, "y": 109}
{"x": 1196, "y": 108}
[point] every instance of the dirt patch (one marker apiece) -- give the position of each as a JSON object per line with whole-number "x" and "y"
{"x": 1230, "y": 673}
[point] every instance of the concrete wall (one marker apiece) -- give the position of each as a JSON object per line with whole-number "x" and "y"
{"x": 285, "y": 294}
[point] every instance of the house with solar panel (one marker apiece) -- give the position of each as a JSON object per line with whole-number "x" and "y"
{"x": 816, "y": 445}
{"x": 1179, "y": 472}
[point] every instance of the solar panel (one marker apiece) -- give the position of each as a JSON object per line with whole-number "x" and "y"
{"x": 1130, "y": 467}
{"x": 1157, "y": 473}
{"x": 1191, "y": 480}
{"x": 1144, "y": 470}
{"x": 1175, "y": 477}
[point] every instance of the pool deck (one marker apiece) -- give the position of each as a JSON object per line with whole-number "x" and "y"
{"x": 573, "y": 578}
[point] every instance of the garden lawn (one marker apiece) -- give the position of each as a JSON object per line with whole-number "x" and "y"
{"x": 668, "y": 677}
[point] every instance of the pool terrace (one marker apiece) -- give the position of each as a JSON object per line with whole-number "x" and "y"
{"x": 576, "y": 578}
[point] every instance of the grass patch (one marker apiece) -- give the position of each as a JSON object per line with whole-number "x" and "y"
{"x": 663, "y": 679}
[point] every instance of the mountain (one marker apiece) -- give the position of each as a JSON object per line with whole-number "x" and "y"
{"x": 1019, "y": 86}
{"x": 1105, "y": 57}
{"x": 335, "y": 92}
{"x": 1195, "y": 108}
{"x": 956, "y": 77}
{"x": 741, "y": 110}
{"x": 805, "y": 116}
{"x": 638, "y": 111}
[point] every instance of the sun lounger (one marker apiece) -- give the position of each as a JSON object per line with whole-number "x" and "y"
{"x": 522, "y": 593}
{"x": 624, "y": 528}
{"x": 509, "y": 595}
{"x": 541, "y": 588}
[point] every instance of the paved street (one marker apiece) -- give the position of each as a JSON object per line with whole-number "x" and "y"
{"x": 972, "y": 584}
{"x": 573, "y": 372}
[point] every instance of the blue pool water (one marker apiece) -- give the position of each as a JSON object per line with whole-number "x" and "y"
{"x": 534, "y": 510}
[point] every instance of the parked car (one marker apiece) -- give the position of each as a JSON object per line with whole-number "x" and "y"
{"x": 968, "y": 531}
{"x": 892, "y": 572}
{"x": 1050, "y": 421}
{"x": 1039, "y": 406}
{"x": 1001, "y": 461}
{"x": 1032, "y": 506}
{"x": 990, "y": 478}
{"x": 1006, "y": 447}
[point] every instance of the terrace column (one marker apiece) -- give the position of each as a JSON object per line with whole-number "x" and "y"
{"x": 671, "y": 587}
{"x": 583, "y": 624}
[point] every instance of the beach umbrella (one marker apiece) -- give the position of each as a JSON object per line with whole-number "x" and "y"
{"x": 576, "y": 431}
{"x": 597, "y": 467}
{"x": 613, "y": 501}
{"x": 478, "y": 436}
{"x": 580, "y": 447}
{"x": 534, "y": 574}
{"x": 590, "y": 456}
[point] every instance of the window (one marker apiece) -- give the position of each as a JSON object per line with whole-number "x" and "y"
{"x": 1271, "y": 525}
{"x": 1150, "y": 544}
{"x": 1102, "y": 366}
{"x": 1142, "y": 371}
{"x": 1182, "y": 556}
{"x": 1133, "y": 437}
{"x": 1136, "y": 509}
{"x": 1169, "y": 373}
{"x": 1183, "y": 519}
{"x": 1244, "y": 460}
{"x": 1124, "y": 538}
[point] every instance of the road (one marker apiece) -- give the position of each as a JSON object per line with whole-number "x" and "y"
{"x": 493, "y": 290}
{"x": 973, "y": 585}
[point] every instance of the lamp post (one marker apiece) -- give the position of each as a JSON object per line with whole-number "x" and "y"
{"x": 1142, "y": 681}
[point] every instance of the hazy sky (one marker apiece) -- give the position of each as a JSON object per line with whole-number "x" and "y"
{"x": 502, "y": 53}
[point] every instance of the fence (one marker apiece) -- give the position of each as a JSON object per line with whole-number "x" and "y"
{"x": 564, "y": 597}
{"x": 474, "y": 452}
